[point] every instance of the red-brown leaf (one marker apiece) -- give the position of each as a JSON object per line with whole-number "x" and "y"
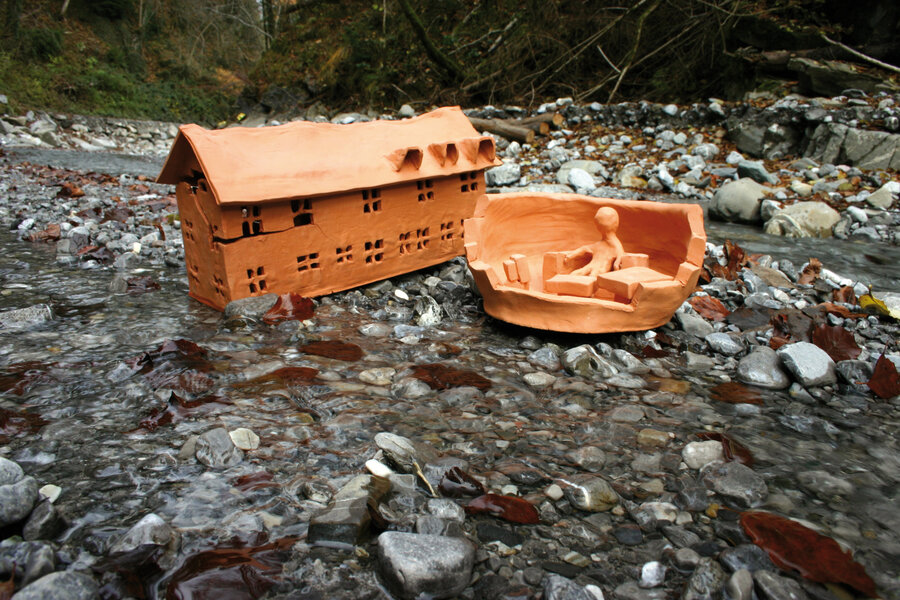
{"x": 710, "y": 308}
{"x": 70, "y": 190}
{"x": 789, "y": 325}
{"x": 791, "y": 545}
{"x": 7, "y": 588}
{"x": 733, "y": 450}
{"x": 810, "y": 272}
{"x": 440, "y": 377}
{"x": 457, "y": 482}
{"x": 841, "y": 311}
{"x": 289, "y": 307}
{"x": 141, "y": 285}
{"x": 334, "y": 349}
{"x": 509, "y": 508}
{"x": 885, "y": 381}
{"x": 844, "y": 294}
{"x": 733, "y": 392}
{"x": 836, "y": 341}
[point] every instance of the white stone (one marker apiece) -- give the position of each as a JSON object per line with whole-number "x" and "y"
{"x": 378, "y": 469}
{"x": 50, "y": 492}
{"x": 696, "y": 455}
{"x": 653, "y": 573}
{"x": 554, "y": 492}
{"x": 581, "y": 179}
{"x": 378, "y": 375}
{"x": 244, "y": 439}
{"x": 539, "y": 379}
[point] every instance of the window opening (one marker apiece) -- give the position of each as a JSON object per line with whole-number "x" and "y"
{"x": 344, "y": 254}
{"x": 308, "y": 262}
{"x": 372, "y": 251}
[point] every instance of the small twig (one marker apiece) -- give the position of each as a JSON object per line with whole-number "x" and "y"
{"x": 499, "y": 39}
{"x": 860, "y": 55}
{"x": 606, "y": 58}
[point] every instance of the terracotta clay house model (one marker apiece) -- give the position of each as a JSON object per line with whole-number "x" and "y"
{"x": 316, "y": 208}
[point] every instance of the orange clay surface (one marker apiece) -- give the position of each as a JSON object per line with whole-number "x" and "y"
{"x": 549, "y": 260}
{"x": 315, "y": 208}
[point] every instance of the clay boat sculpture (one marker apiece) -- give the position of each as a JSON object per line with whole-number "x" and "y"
{"x": 550, "y": 261}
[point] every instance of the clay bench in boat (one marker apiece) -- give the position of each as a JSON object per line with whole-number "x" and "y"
{"x": 517, "y": 246}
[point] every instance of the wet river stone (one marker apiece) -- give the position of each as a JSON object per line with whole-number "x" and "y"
{"x": 25, "y": 317}
{"x": 737, "y": 483}
{"x": 432, "y": 565}
{"x": 216, "y": 450}
{"x": 347, "y": 518}
{"x": 809, "y": 364}
{"x": 17, "y": 499}
{"x": 64, "y": 585}
{"x": 557, "y": 587}
{"x": 706, "y": 581}
{"x": 762, "y": 368}
{"x": 776, "y": 587}
{"x": 697, "y": 455}
{"x": 399, "y": 450}
{"x": 591, "y": 494}
{"x": 10, "y": 472}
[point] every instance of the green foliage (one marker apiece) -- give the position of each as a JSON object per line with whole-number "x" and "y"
{"x": 112, "y": 9}
{"x": 41, "y": 43}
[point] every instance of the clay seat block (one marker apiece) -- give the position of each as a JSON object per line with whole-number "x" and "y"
{"x": 571, "y": 285}
{"x": 634, "y": 259}
{"x": 625, "y": 281}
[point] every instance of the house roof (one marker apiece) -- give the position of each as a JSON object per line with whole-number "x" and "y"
{"x": 246, "y": 165}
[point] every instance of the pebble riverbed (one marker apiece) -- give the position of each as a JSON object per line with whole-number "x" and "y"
{"x": 233, "y": 463}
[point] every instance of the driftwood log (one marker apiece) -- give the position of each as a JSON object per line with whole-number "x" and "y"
{"x": 540, "y": 124}
{"x": 504, "y": 128}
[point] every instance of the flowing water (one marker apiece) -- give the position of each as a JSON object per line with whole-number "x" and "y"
{"x": 95, "y": 429}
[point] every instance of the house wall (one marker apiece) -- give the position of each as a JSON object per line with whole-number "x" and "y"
{"x": 316, "y": 246}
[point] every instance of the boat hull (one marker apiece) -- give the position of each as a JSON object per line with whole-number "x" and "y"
{"x": 511, "y": 234}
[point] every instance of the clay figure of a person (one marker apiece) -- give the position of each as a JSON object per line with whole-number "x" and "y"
{"x": 604, "y": 255}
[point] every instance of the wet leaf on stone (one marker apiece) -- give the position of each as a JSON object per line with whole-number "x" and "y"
{"x": 810, "y": 272}
{"x": 669, "y": 385}
{"x": 844, "y": 295}
{"x": 733, "y": 392}
{"x": 117, "y": 213}
{"x": 14, "y": 423}
{"x": 819, "y": 558}
{"x": 732, "y": 450}
{"x": 710, "y": 308}
{"x": 176, "y": 364}
{"x": 178, "y": 408}
{"x": 790, "y": 325}
{"x": 100, "y": 254}
{"x": 508, "y": 508}
{"x": 649, "y": 351}
{"x": 284, "y": 376}
{"x": 885, "y": 382}
{"x": 69, "y": 190}
{"x": 873, "y": 305}
{"x": 255, "y": 481}
{"x": 441, "y": 377}
{"x": 289, "y": 307}
{"x": 841, "y": 311}
{"x": 233, "y": 573}
{"x": 49, "y": 234}
{"x": 457, "y": 482}
{"x": 141, "y": 285}
{"x": 333, "y": 349}
{"x": 836, "y": 341}
{"x": 18, "y": 377}
{"x": 735, "y": 258}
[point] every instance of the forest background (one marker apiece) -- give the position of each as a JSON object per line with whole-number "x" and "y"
{"x": 209, "y": 60}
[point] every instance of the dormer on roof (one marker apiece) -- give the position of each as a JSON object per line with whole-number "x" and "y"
{"x": 315, "y": 208}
